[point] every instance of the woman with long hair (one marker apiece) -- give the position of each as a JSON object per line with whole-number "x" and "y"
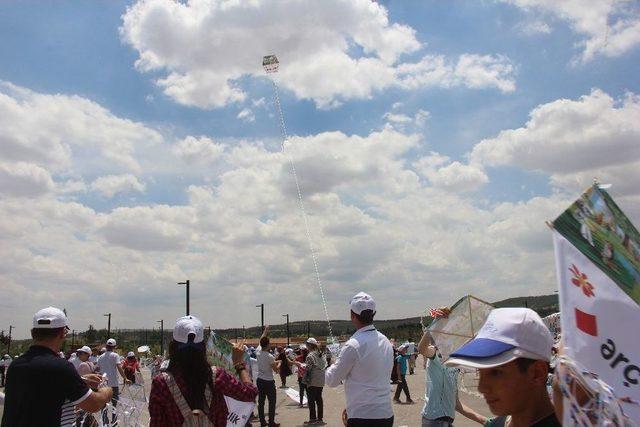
{"x": 191, "y": 392}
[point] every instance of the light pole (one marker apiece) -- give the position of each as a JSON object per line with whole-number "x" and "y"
{"x": 9, "y": 343}
{"x": 73, "y": 338}
{"x": 108, "y": 324}
{"x": 261, "y": 315}
{"x": 287, "y": 316}
{"x": 161, "y": 336}
{"x": 187, "y": 285}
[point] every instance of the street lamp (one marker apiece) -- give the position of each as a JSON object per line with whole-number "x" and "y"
{"x": 9, "y": 343}
{"x": 108, "y": 324}
{"x": 261, "y": 315}
{"x": 161, "y": 336}
{"x": 287, "y": 316}
{"x": 187, "y": 285}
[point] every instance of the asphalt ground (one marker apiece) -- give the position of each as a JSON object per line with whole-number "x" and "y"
{"x": 288, "y": 414}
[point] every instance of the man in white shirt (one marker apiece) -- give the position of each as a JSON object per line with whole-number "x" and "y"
{"x": 109, "y": 363}
{"x": 267, "y": 365}
{"x": 364, "y": 364}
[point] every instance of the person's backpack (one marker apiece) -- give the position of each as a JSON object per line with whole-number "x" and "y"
{"x": 192, "y": 418}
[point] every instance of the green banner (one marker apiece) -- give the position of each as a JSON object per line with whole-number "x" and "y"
{"x": 599, "y": 229}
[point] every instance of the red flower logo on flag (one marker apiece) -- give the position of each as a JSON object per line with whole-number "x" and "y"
{"x": 582, "y": 281}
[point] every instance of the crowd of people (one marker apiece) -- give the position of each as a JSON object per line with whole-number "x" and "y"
{"x": 511, "y": 354}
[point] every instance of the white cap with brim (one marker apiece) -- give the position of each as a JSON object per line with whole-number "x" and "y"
{"x": 361, "y": 302}
{"x": 186, "y": 326}
{"x": 50, "y": 318}
{"x": 312, "y": 341}
{"x": 508, "y": 334}
{"x": 111, "y": 342}
{"x": 84, "y": 349}
{"x": 131, "y": 354}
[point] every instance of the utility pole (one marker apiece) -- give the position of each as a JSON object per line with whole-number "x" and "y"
{"x": 288, "y": 335}
{"x": 161, "y": 336}
{"x": 261, "y": 315}
{"x": 108, "y": 324}
{"x": 308, "y": 329}
{"x": 244, "y": 333}
{"x": 73, "y": 338}
{"x": 9, "y": 343}
{"x": 187, "y": 285}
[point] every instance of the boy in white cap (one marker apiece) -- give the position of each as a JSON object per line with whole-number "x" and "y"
{"x": 364, "y": 364}
{"x": 42, "y": 389}
{"x": 512, "y": 352}
{"x": 109, "y": 363}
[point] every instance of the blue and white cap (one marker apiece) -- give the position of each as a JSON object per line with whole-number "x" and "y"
{"x": 508, "y": 334}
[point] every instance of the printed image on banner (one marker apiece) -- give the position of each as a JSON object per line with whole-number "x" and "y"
{"x": 599, "y": 229}
{"x": 219, "y": 352}
{"x": 467, "y": 316}
{"x": 596, "y": 250}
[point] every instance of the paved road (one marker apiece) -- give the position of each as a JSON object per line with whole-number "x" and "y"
{"x": 289, "y": 415}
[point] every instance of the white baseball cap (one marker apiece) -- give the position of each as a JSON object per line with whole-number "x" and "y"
{"x": 361, "y": 302}
{"x": 303, "y": 347}
{"x": 312, "y": 341}
{"x": 84, "y": 349}
{"x": 508, "y": 334}
{"x": 50, "y": 318}
{"x": 111, "y": 342}
{"x": 131, "y": 354}
{"x": 188, "y": 325}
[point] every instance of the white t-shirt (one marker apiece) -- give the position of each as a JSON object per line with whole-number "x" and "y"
{"x": 108, "y": 364}
{"x": 265, "y": 361}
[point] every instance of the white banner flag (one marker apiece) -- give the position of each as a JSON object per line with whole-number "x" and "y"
{"x": 239, "y": 412}
{"x": 600, "y": 323}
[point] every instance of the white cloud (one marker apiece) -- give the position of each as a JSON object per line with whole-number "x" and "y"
{"x": 470, "y": 70}
{"x": 246, "y": 115}
{"x": 451, "y": 176}
{"x": 52, "y": 130}
{"x": 205, "y": 48}
{"x": 397, "y": 118}
{"x": 110, "y": 185}
{"x": 532, "y": 28}
{"x": 20, "y": 179}
{"x": 202, "y": 149}
{"x": 566, "y": 136}
{"x": 610, "y": 28}
{"x": 575, "y": 141}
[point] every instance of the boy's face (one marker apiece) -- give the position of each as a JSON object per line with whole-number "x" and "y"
{"x": 506, "y": 389}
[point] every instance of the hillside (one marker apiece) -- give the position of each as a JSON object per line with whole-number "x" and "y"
{"x": 401, "y": 329}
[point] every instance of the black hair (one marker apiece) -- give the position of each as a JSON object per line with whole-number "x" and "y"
{"x": 365, "y": 317}
{"x": 264, "y": 343}
{"x": 44, "y": 334}
{"x": 191, "y": 364}
{"x": 523, "y": 363}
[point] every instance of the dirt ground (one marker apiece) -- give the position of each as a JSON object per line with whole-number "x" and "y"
{"x": 289, "y": 415}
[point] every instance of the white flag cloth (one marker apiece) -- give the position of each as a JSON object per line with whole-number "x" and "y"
{"x": 239, "y": 412}
{"x": 600, "y": 323}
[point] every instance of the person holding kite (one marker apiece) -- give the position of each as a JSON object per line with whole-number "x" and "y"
{"x": 441, "y": 398}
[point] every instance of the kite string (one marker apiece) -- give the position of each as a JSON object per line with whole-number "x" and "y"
{"x": 285, "y": 137}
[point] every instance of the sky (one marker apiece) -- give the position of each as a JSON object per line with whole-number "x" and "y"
{"x": 140, "y": 146}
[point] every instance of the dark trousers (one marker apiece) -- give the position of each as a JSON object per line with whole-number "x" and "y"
{"x": 2, "y": 376}
{"x": 302, "y": 386}
{"x": 266, "y": 390}
{"x": 364, "y": 422}
{"x": 114, "y": 402}
{"x": 402, "y": 386}
{"x": 314, "y": 395}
